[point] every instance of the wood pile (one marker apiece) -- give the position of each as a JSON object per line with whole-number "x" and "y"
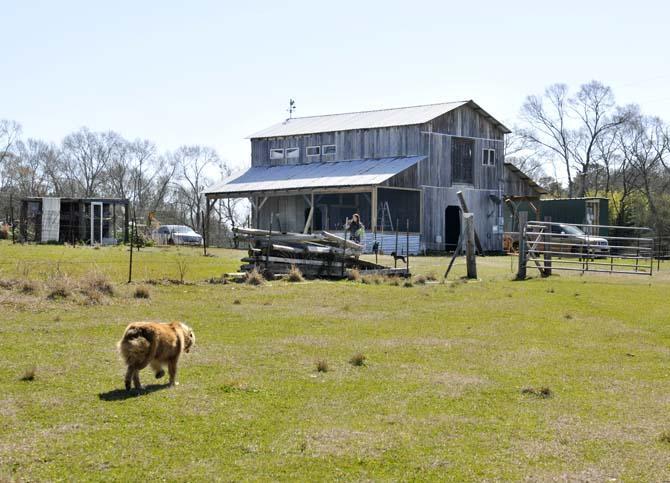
{"x": 317, "y": 255}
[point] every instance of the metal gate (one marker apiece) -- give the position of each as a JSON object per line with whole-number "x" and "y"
{"x": 582, "y": 248}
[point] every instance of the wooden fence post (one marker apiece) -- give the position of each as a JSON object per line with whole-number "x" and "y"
{"x": 470, "y": 257}
{"x": 523, "y": 220}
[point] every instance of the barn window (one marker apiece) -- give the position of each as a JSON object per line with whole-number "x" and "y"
{"x": 292, "y": 153}
{"x": 489, "y": 157}
{"x": 462, "y": 157}
{"x": 329, "y": 149}
{"x": 276, "y": 154}
{"x": 313, "y": 150}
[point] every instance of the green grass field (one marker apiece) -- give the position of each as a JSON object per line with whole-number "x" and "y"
{"x": 440, "y": 397}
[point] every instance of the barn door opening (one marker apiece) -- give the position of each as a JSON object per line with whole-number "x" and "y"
{"x": 452, "y": 227}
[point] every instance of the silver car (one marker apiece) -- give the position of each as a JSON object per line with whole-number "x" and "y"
{"x": 176, "y": 235}
{"x": 571, "y": 240}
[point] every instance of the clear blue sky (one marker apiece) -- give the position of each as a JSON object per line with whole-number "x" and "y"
{"x": 209, "y": 72}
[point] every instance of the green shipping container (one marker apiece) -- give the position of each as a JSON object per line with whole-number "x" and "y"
{"x": 591, "y": 211}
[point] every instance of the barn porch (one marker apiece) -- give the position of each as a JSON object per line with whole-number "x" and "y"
{"x": 322, "y": 196}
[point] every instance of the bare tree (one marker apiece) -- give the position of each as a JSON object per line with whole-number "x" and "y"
{"x": 547, "y": 125}
{"x": 10, "y": 131}
{"x": 596, "y": 112}
{"x": 569, "y": 127}
{"x": 192, "y": 164}
{"x": 88, "y": 155}
{"x": 525, "y": 155}
{"x": 26, "y": 168}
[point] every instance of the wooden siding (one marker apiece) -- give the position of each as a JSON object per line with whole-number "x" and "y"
{"x": 436, "y": 170}
{"x": 355, "y": 144}
{"x": 465, "y": 121}
{"x": 289, "y": 213}
{"x": 406, "y": 179}
{"x": 479, "y": 202}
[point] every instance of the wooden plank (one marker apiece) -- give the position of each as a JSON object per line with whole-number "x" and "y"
{"x": 464, "y": 207}
{"x": 342, "y": 241}
{"x": 471, "y": 260}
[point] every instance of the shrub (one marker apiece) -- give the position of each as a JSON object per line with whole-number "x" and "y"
{"x": 394, "y": 281}
{"x": 420, "y": 279}
{"x": 254, "y": 278}
{"x": 431, "y": 277}
{"x": 142, "y": 292}
{"x": 354, "y": 275}
{"x": 357, "y": 359}
{"x": 542, "y": 393}
{"x": 321, "y": 366}
{"x": 100, "y": 283}
{"x": 372, "y": 279}
{"x": 408, "y": 283}
{"x": 59, "y": 288}
{"x": 28, "y": 287}
{"x": 29, "y": 374}
{"x": 294, "y": 274}
{"x": 7, "y": 283}
{"x": 182, "y": 266}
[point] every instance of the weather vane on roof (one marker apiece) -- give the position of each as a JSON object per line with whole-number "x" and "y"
{"x": 291, "y": 108}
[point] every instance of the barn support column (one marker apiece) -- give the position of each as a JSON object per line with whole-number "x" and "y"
{"x": 373, "y": 210}
{"x": 256, "y": 207}
{"x": 309, "y": 223}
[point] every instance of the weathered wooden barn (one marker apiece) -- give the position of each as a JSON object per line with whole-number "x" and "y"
{"x": 398, "y": 168}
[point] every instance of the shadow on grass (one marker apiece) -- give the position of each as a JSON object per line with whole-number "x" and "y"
{"x": 122, "y": 394}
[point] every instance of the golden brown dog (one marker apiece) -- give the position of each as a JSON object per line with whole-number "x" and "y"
{"x": 155, "y": 344}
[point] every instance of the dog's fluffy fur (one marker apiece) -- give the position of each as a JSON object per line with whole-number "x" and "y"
{"x": 155, "y": 344}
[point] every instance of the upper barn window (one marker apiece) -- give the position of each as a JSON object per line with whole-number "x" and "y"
{"x": 489, "y": 157}
{"x": 313, "y": 150}
{"x": 328, "y": 149}
{"x": 276, "y": 154}
{"x": 462, "y": 157}
{"x": 292, "y": 153}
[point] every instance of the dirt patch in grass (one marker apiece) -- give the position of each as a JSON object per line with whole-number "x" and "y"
{"x": 454, "y": 384}
{"x": 416, "y": 341}
{"x": 306, "y": 340}
{"x": 341, "y": 442}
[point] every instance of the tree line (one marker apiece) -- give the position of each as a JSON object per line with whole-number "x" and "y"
{"x": 166, "y": 186}
{"x": 598, "y": 148}
{"x": 579, "y": 143}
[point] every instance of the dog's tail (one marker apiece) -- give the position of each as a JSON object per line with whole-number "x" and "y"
{"x": 136, "y": 345}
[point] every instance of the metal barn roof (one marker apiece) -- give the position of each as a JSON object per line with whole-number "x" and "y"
{"x": 360, "y": 172}
{"x": 403, "y": 116}
{"x": 526, "y": 179}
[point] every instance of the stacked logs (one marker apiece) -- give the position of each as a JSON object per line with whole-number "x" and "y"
{"x": 317, "y": 255}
